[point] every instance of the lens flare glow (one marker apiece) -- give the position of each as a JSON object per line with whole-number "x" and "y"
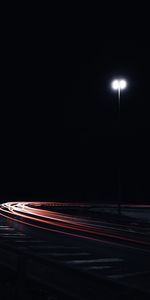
{"x": 123, "y": 84}
{"x": 120, "y": 84}
{"x": 115, "y": 84}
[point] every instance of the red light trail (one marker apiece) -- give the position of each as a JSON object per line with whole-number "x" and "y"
{"x": 29, "y": 213}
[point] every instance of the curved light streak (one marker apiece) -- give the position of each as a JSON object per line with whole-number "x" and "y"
{"x": 31, "y": 214}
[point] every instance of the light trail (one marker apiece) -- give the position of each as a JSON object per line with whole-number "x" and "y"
{"x": 31, "y": 214}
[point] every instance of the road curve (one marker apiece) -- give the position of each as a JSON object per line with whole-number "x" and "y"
{"x": 33, "y": 214}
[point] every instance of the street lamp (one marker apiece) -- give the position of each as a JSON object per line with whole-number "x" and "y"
{"x": 118, "y": 85}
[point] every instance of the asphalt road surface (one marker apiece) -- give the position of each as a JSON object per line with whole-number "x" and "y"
{"x": 98, "y": 248}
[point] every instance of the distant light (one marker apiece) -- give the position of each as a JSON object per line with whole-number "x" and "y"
{"x": 119, "y": 84}
{"x": 123, "y": 84}
{"x": 115, "y": 84}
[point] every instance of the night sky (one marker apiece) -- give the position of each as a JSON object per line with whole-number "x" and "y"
{"x": 59, "y": 119}
{"x": 95, "y": 145}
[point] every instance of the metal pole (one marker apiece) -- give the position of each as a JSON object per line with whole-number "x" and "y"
{"x": 119, "y": 183}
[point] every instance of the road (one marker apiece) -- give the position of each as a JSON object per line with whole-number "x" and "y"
{"x": 101, "y": 249}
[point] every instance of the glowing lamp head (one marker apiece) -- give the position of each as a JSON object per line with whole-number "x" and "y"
{"x": 119, "y": 84}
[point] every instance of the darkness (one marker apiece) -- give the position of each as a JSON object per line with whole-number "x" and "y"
{"x": 96, "y": 146}
{"x": 59, "y": 120}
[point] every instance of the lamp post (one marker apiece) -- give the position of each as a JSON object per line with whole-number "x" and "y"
{"x": 118, "y": 85}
